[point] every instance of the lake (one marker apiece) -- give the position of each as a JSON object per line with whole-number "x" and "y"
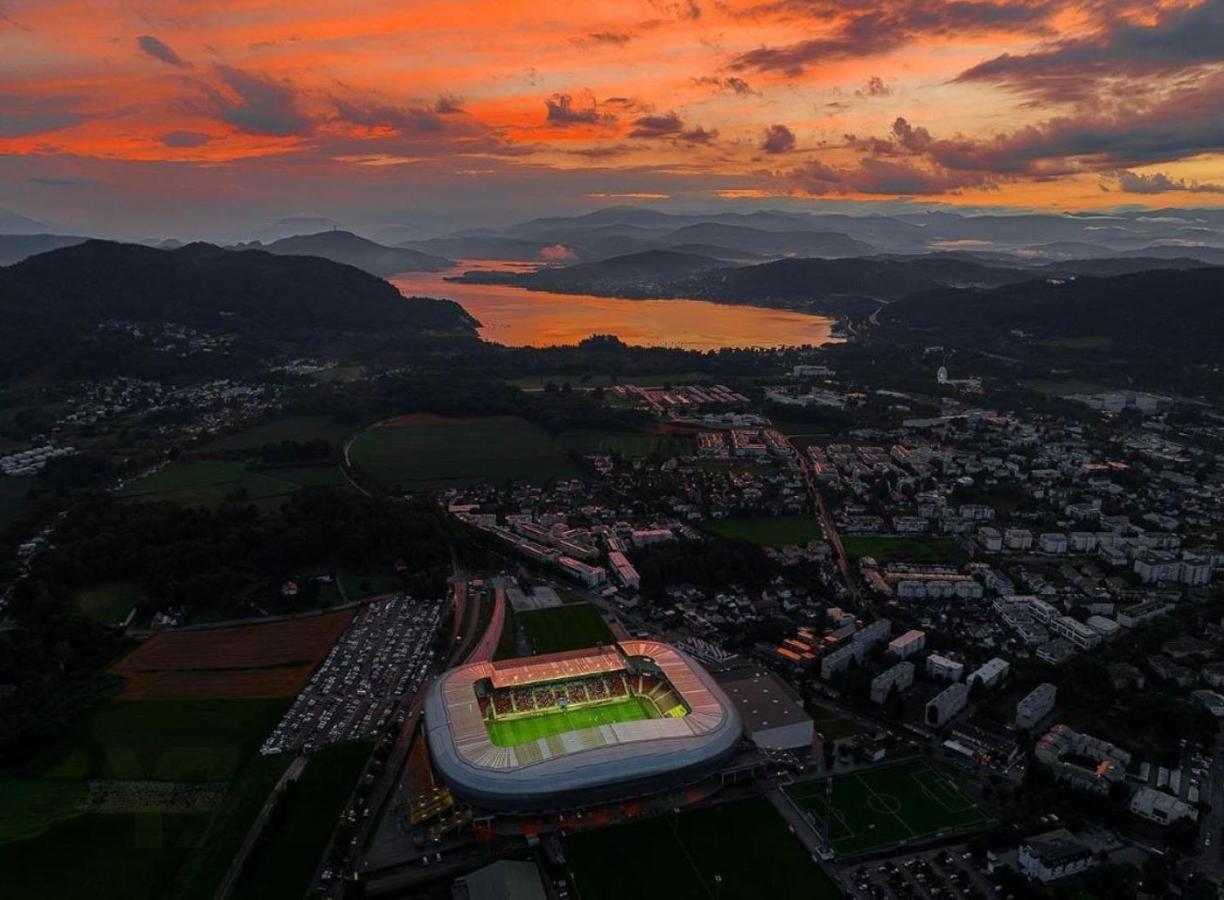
{"x": 518, "y": 317}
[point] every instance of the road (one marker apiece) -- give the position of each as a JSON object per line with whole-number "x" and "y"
{"x": 291, "y": 774}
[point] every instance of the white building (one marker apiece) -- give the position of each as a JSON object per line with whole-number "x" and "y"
{"x": 943, "y": 669}
{"x": 898, "y": 678}
{"x": 907, "y": 644}
{"x": 1018, "y": 539}
{"x": 1159, "y": 807}
{"x": 1052, "y": 856}
{"x": 1079, "y": 634}
{"x": 1036, "y": 705}
{"x": 991, "y": 672}
{"x": 946, "y": 705}
{"x": 1053, "y": 542}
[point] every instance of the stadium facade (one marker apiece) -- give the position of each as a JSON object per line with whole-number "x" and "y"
{"x": 583, "y": 727}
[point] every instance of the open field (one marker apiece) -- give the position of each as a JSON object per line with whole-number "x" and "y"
{"x": 165, "y": 740}
{"x": 832, "y": 726}
{"x": 212, "y": 482}
{"x": 294, "y": 428}
{"x": 512, "y": 732}
{"x": 425, "y": 450}
{"x": 12, "y": 493}
{"x": 736, "y": 851}
{"x": 282, "y": 865}
{"x": 569, "y": 627}
{"x": 878, "y": 808}
{"x": 905, "y": 549}
{"x": 274, "y": 659}
{"x": 777, "y": 532}
{"x": 108, "y": 602}
{"x": 145, "y": 844}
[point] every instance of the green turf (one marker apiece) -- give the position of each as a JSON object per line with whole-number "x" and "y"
{"x": 878, "y": 808}
{"x": 573, "y": 626}
{"x": 166, "y": 740}
{"x": 512, "y": 732}
{"x": 298, "y": 832}
{"x": 211, "y": 482}
{"x": 294, "y": 428}
{"x": 432, "y": 451}
{"x": 768, "y": 532}
{"x": 735, "y": 851}
{"x": 904, "y": 549}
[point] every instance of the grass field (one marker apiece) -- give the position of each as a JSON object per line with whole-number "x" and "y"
{"x": 423, "y": 450}
{"x": 775, "y": 532}
{"x": 736, "y": 851}
{"x": 297, "y": 835}
{"x": 211, "y": 482}
{"x": 108, "y": 602}
{"x": 12, "y": 494}
{"x": 878, "y": 808}
{"x": 294, "y": 428}
{"x": 512, "y": 732}
{"x": 48, "y": 814}
{"x": 906, "y": 549}
{"x": 832, "y": 726}
{"x": 569, "y": 627}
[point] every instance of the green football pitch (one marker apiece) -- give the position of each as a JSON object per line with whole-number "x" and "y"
{"x": 878, "y": 808}
{"x": 512, "y": 732}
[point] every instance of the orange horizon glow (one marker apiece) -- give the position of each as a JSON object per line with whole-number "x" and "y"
{"x": 426, "y": 104}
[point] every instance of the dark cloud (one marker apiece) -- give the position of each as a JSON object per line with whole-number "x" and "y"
{"x": 870, "y": 28}
{"x": 60, "y": 181}
{"x": 1070, "y": 70}
{"x": 448, "y": 104}
{"x": 881, "y": 176}
{"x": 1158, "y": 183}
{"x": 185, "y": 139}
{"x": 562, "y": 111}
{"x": 732, "y": 84}
{"x": 407, "y": 120}
{"x": 160, "y": 50}
{"x": 875, "y": 87}
{"x": 699, "y": 135}
{"x": 24, "y": 116}
{"x": 685, "y": 10}
{"x": 656, "y": 126}
{"x": 616, "y": 38}
{"x": 257, "y": 104}
{"x": 778, "y": 139}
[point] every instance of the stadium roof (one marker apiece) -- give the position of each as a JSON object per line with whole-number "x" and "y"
{"x": 467, "y": 758}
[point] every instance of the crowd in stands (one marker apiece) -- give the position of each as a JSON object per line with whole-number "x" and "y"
{"x": 510, "y": 701}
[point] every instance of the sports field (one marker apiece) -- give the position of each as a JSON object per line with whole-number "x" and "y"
{"x": 573, "y": 626}
{"x": 512, "y": 732}
{"x": 428, "y": 450}
{"x": 768, "y": 532}
{"x": 734, "y": 851}
{"x": 879, "y": 808}
{"x": 884, "y": 548}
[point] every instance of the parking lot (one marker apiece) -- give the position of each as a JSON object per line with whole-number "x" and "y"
{"x": 382, "y": 657}
{"x": 944, "y": 874}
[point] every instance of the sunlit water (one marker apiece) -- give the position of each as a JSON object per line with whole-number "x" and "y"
{"x": 518, "y": 317}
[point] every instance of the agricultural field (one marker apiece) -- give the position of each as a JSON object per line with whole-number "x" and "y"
{"x": 427, "y": 450}
{"x": 212, "y": 482}
{"x": 885, "y": 549}
{"x": 147, "y": 799}
{"x": 12, "y": 493}
{"x": 886, "y": 807}
{"x": 512, "y": 732}
{"x": 572, "y": 626}
{"x": 735, "y": 851}
{"x": 777, "y": 532}
{"x": 294, "y": 428}
{"x": 282, "y": 865}
{"x": 273, "y": 659}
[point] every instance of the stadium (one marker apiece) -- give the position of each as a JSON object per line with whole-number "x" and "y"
{"x": 585, "y": 726}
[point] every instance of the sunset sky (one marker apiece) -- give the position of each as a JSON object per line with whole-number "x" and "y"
{"x": 197, "y": 116}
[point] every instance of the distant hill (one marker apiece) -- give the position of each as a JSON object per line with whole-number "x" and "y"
{"x": 16, "y": 247}
{"x": 828, "y": 244}
{"x": 52, "y": 303}
{"x": 352, "y": 250}
{"x": 1164, "y": 312}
